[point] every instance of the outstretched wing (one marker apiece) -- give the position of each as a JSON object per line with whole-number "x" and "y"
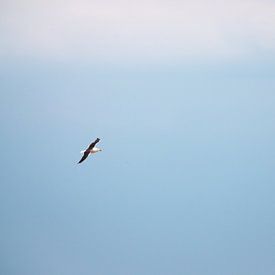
{"x": 92, "y": 145}
{"x": 86, "y": 154}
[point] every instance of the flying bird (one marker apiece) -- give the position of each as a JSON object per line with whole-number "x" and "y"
{"x": 90, "y": 150}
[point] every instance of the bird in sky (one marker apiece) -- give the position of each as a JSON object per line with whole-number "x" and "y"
{"x": 90, "y": 150}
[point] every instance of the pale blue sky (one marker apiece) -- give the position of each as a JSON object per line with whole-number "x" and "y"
{"x": 185, "y": 182}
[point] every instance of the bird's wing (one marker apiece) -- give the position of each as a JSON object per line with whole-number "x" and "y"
{"x": 92, "y": 145}
{"x": 86, "y": 154}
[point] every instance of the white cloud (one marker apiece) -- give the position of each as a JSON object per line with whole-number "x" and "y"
{"x": 139, "y": 30}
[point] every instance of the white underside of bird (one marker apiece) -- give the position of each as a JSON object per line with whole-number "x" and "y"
{"x": 93, "y": 151}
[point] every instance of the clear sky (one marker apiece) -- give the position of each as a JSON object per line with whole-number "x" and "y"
{"x": 182, "y": 95}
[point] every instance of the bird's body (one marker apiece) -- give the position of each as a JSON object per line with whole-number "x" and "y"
{"x": 93, "y": 151}
{"x": 90, "y": 150}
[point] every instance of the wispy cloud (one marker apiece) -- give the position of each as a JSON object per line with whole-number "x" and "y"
{"x": 139, "y": 30}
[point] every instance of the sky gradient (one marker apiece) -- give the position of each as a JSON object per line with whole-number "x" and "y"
{"x": 181, "y": 95}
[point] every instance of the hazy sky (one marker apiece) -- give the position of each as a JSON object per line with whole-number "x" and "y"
{"x": 133, "y": 30}
{"x": 182, "y": 95}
